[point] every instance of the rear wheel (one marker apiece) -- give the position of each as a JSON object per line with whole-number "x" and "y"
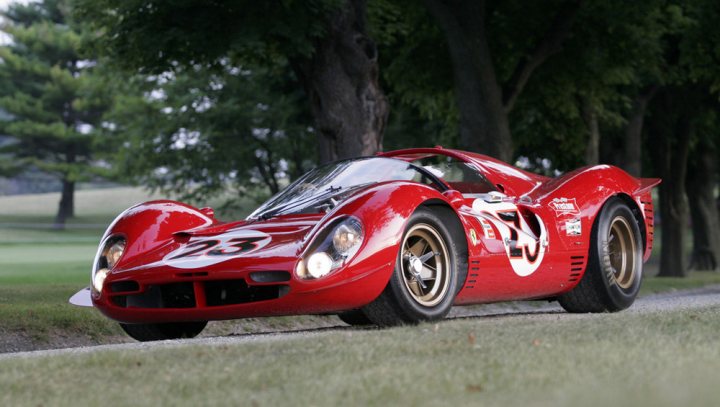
{"x": 160, "y": 332}
{"x": 614, "y": 271}
{"x": 425, "y": 280}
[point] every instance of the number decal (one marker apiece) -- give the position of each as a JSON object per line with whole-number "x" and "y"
{"x": 524, "y": 249}
{"x": 517, "y": 251}
{"x": 206, "y": 251}
{"x": 239, "y": 244}
{"x": 196, "y": 248}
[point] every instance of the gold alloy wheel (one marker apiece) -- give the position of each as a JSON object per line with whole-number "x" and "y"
{"x": 425, "y": 265}
{"x": 621, "y": 250}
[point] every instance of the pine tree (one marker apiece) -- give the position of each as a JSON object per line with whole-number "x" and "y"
{"x": 53, "y": 98}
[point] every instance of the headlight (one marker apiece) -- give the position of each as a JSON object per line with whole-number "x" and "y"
{"x": 347, "y": 235}
{"x": 109, "y": 254}
{"x": 114, "y": 252}
{"x": 332, "y": 250}
{"x": 99, "y": 279}
{"x": 319, "y": 264}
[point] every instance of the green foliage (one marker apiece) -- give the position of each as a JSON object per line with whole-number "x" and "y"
{"x": 201, "y": 131}
{"x": 50, "y": 92}
{"x": 423, "y": 109}
{"x": 157, "y": 35}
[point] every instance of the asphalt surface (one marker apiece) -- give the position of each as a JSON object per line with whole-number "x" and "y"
{"x": 706, "y": 297}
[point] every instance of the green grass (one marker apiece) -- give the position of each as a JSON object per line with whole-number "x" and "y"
{"x": 660, "y": 359}
{"x": 41, "y": 268}
{"x": 695, "y": 279}
{"x": 34, "y": 294}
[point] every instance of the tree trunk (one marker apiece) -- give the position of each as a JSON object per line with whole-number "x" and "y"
{"x": 341, "y": 81}
{"x": 590, "y": 117}
{"x": 66, "y": 209}
{"x": 484, "y": 123}
{"x": 669, "y": 146}
{"x": 632, "y": 159}
{"x": 700, "y": 187}
{"x": 484, "y": 103}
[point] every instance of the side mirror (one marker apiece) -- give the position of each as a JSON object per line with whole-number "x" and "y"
{"x": 494, "y": 197}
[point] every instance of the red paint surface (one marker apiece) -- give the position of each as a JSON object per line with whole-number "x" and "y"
{"x": 151, "y": 230}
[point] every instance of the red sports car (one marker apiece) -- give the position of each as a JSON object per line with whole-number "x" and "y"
{"x": 394, "y": 239}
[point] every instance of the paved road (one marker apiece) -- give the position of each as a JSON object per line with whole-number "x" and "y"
{"x": 672, "y": 301}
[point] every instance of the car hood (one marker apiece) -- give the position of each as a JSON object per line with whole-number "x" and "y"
{"x": 208, "y": 247}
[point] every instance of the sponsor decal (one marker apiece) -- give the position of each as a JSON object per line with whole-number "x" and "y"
{"x": 487, "y": 229}
{"x": 573, "y": 227}
{"x": 564, "y": 206}
{"x": 203, "y": 251}
{"x": 524, "y": 248}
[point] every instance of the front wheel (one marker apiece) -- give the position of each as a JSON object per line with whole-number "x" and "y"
{"x": 614, "y": 271}
{"x": 425, "y": 280}
{"x": 354, "y": 317}
{"x": 160, "y": 332}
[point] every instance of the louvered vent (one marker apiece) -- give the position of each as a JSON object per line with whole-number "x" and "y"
{"x": 577, "y": 265}
{"x": 473, "y": 274}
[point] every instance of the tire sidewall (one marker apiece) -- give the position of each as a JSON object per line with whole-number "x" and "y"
{"x": 620, "y": 298}
{"x": 413, "y": 310}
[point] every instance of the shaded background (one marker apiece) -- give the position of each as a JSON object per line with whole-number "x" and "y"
{"x": 224, "y": 102}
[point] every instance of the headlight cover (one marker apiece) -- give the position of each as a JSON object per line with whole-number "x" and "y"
{"x": 109, "y": 254}
{"x": 334, "y": 249}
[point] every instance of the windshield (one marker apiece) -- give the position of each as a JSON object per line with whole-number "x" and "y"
{"x": 325, "y": 186}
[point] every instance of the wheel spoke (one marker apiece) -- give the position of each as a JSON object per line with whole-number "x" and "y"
{"x": 427, "y": 256}
{"x": 418, "y": 247}
{"x": 428, "y": 272}
{"x": 417, "y": 288}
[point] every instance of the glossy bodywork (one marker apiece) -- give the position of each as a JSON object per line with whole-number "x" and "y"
{"x": 551, "y": 229}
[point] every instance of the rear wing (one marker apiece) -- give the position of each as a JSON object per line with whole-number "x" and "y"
{"x": 646, "y": 184}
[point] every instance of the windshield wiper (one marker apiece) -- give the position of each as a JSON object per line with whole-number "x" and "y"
{"x": 292, "y": 205}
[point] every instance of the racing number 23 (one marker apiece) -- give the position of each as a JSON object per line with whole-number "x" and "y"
{"x": 512, "y": 219}
{"x": 214, "y": 247}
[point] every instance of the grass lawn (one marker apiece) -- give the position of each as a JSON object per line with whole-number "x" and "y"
{"x": 41, "y": 268}
{"x": 658, "y": 359}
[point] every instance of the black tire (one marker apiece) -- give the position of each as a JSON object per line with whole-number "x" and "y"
{"x": 404, "y": 300}
{"x": 161, "y": 332}
{"x": 614, "y": 271}
{"x": 355, "y": 317}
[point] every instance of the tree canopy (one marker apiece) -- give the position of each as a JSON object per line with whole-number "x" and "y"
{"x": 54, "y": 101}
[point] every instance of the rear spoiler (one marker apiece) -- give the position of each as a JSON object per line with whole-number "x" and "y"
{"x": 646, "y": 184}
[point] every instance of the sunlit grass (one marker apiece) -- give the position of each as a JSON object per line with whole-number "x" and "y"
{"x": 657, "y": 359}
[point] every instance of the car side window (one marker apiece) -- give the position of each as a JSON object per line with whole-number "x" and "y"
{"x": 459, "y": 175}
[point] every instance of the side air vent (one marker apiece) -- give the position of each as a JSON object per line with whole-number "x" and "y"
{"x": 473, "y": 273}
{"x": 649, "y": 221}
{"x": 577, "y": 265}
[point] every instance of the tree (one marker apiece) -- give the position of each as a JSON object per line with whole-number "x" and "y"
{"x": 700, "y": 57}
{"x": 202, "y": 132}
{"x": 683, "y": 120}
{"x": 590, "y": 98}
{"x": 324, "y": 43}
{"x": 700, "y": 185}
{"x": 486, "y": 93}
{"x": 52, "y": 97}
{"x": 670, "y": 128}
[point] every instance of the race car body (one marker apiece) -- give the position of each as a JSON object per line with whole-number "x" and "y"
{"x": 392, "y": 239}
